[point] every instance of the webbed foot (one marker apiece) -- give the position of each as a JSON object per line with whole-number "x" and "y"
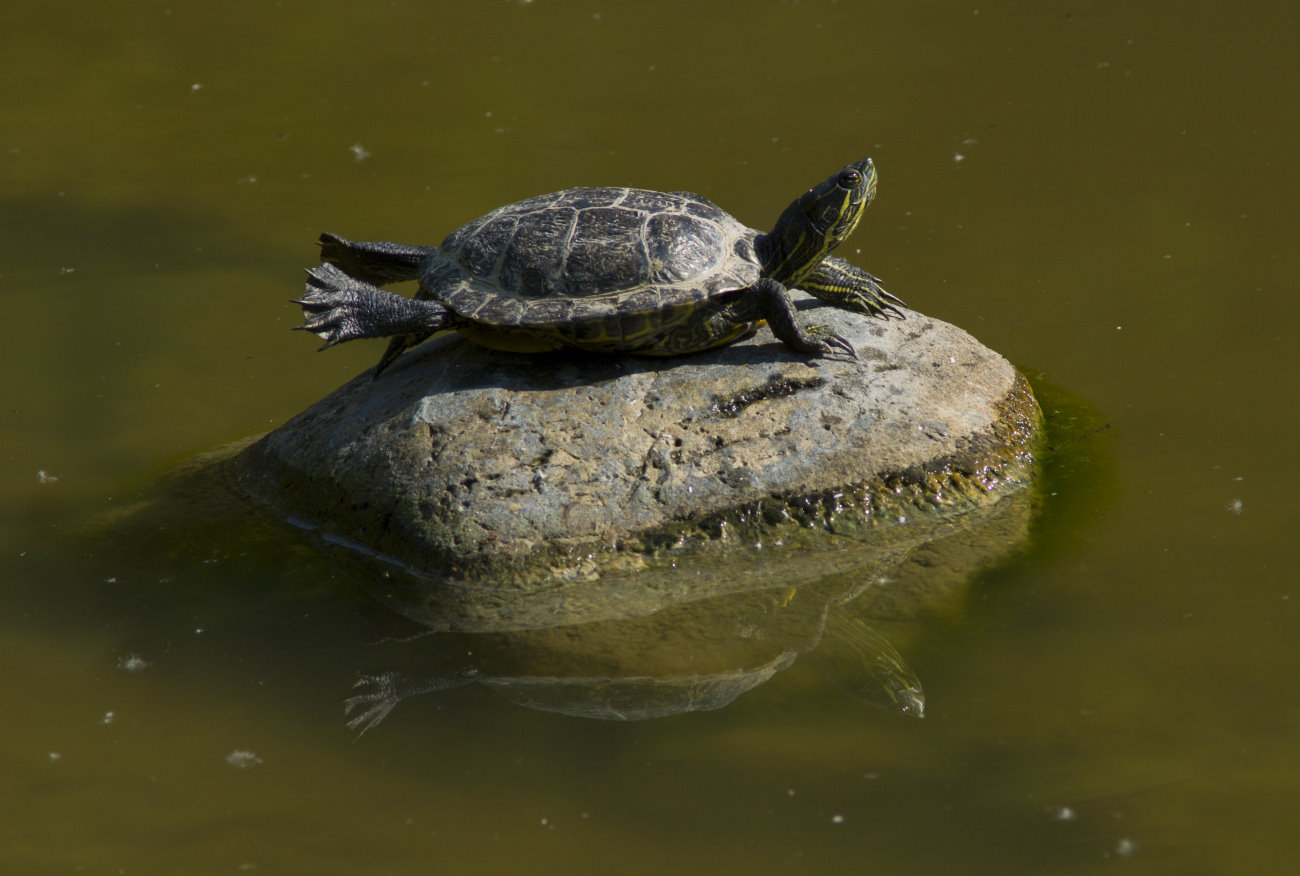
{"x": 331, "y": 305}
{"x": 338, "y": 308}
{"x": 380, "y": 693}
{"x": 379, "y": 698}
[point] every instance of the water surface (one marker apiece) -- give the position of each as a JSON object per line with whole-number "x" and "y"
{"x": 1105, "y": 196}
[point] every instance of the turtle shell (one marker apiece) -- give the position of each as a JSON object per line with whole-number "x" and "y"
{"x": 592, "y": 254}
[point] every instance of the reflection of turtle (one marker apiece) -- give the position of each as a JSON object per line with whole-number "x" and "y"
{"x": 609, "y": 270}
{"x": 606, "y": 698}
{"x": 690, "y": 658}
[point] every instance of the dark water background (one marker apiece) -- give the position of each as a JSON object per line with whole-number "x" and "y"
{"x": 1105, "y": 194}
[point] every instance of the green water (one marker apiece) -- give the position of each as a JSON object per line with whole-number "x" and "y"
{"x": 1106, "y": 195}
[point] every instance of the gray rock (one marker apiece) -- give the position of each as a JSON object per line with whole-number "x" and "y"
{"x": 521, "y": 470}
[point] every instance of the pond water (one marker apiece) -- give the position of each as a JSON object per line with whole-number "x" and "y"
{"x": 1106, "y": 196}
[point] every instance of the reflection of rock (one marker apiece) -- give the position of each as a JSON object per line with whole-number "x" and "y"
{"x": 697, "y": 637}
{"x": 500, "y": 472}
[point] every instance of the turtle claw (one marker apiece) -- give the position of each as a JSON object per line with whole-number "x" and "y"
{"x": 325, "y": 305}
{"x": 838, "y": 343}
{"x": 830, "y": 344}
{"x": 317, "y": 324}
{"x": 883, "y": 305}
{"x": 338, "y": 308}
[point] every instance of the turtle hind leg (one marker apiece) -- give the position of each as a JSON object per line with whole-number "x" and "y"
{"x": 338, "y": 308}
{"x": 377, "y": 262}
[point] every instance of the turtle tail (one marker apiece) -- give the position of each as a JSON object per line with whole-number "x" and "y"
{"x": 396, "y": 347}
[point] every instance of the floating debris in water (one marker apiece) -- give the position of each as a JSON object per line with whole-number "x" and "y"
{"x": 132, "y": 663}
{"x": 241, "y": 759}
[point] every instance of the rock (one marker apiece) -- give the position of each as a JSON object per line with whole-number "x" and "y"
{"x": 473, "y": 465}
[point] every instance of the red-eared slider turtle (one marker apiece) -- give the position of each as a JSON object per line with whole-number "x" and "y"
{"x": 609, "y": 270}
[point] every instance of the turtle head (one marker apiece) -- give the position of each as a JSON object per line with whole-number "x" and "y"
{"x": 818, "y": 221}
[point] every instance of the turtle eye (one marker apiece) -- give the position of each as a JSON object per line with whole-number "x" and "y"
{"x": 850, "y": 179}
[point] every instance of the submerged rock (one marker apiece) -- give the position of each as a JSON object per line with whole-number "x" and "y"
{"x": 471, "y": 465}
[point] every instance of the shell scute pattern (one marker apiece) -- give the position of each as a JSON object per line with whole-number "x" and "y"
{"x": 551, "y": 311}
{"x": 703, "y": 208}
{"x": 681, "y": 248}
{"x": 533, "y": 258}
{"x": 593, "y": 242}
{"x": 649, "y": 300}
{"x": 652, "y": 202}
{"x": 478, "y": 247}
{"x": 471, "y": 300}
{"x": 584, "y": 198}
{"x": 559, "y": 262}
{"x": 606, "y": 252}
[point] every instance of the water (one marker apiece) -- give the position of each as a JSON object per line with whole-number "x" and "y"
{"x": 1106, "y": 196}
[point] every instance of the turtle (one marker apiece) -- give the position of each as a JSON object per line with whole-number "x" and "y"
{"x": 609, "y": 270}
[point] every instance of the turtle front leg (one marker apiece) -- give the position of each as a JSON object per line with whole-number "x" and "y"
{"x": 775, "y": 306}
{"x": 338, "y": 308}
{"x": 845, "y": 285}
